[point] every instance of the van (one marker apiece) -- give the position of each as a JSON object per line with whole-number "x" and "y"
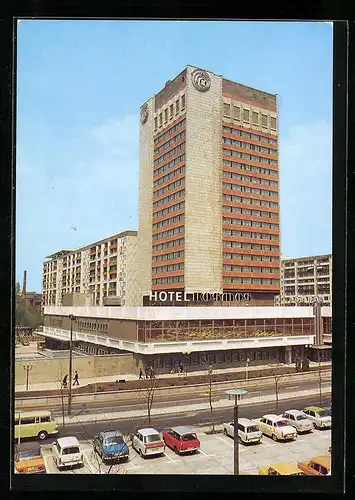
{"x": 66, "y": 452}
{"x": 34, "y": 424}
{"x": 248, "y": 431}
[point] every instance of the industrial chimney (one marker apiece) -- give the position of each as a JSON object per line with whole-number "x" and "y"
{"x": 24, "y": 284}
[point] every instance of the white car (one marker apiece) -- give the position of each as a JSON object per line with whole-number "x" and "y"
{"x": 319, "y": 416}
{"x": 248, "y": 431}
{"x": 67, "y": 452}
{"x": 148, "y": 442}
{"x": 298, "y": 420}
{"x": 276, "y": 427}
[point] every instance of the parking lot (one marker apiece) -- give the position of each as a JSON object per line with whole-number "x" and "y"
{"x": 214, "y": 457}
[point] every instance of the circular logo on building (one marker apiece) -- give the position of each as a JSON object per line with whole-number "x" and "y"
{"x": 200, "y": 79}
{"x": 144, "y": 113}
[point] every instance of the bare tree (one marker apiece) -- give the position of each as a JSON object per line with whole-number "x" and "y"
{"x": 275, "y": 370}
{"x": 319, "y": 379}
{"x": 147, "y": 393}
{"x": 209, "y": 386}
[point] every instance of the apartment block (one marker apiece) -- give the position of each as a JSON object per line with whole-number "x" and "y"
{"x": 209, "y": 188}
{"x": 306, "y": 280}
{"x": 105, "y": 268}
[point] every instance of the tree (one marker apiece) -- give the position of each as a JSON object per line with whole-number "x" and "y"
{"x": 275, "y": 370}
{"x": 147, "y": 393}
{"x": 209, "y": 387}
{"x": 319, "y": 378}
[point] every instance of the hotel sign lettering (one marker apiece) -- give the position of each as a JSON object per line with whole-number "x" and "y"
{"x": 204, "y": 297}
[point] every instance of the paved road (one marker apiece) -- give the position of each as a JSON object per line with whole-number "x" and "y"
{"x": 196, "y": 418}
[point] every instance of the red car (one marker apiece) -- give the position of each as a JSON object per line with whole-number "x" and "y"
{"x": 181, "y": 439}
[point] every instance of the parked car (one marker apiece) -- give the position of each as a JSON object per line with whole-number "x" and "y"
{"x": 319, "y": 416}
{"x": 30, "y": 462}
{"x": 276, "y": 427}
{"x": 148, "y": 442}
{"x": 110, "y": 445}
{"x": 281, "y": 469}
{"x": 66, "y": 452}
{"x": 298, "y": 420}
{"x": 317, "y": 466}
{"x": 181, "y": 439}
{"x": 248, "y": 431}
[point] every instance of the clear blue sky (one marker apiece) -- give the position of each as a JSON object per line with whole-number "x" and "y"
{"x": 80, "y": 86}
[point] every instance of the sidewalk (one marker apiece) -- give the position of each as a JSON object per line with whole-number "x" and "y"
{"x": 45, "y": 386}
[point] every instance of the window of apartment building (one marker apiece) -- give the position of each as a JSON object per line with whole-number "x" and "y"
{"x": 226, "y": 109}
{"x": 165, "y": 115}
{"x": 183, "y": 100}
{"x": 273, "y": 123}
{"x": 155, "y": 123}
{"x": 236, "y": 112}
{"x": 171, "y": 110}
{"x": 177, "y": 107}
{"x": 255, "y": 117}
{"x": 245, "y": 115}
{"x": 160, "y": 119}
{"x": 263, "y": 120}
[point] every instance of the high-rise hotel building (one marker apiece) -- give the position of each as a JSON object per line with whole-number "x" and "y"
{"x": 209, "y": 189}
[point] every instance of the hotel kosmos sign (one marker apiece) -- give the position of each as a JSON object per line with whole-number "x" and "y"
{"x": 144, "y": 113}
{"x": 201, "y": 80}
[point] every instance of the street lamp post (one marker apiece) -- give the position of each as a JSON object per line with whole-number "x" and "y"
{"x": 28, "y": 367}
{"x": 71, "y": 318}
{"x": 236, "y": 393}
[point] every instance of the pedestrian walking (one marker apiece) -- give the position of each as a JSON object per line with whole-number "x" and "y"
{"x": 65, "y": 381}
{"x": 152, "y": 373}
{"x": 76, "y": 378}
{"x": 181, "y": 367}
{"x": 146, "y": 370}
{"x": 210, "y": 369}
{"x": 140, "y": 374}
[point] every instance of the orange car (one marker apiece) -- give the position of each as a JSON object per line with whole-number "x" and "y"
{"x": 317, "y": 466}
{"x": 29, "y": 462}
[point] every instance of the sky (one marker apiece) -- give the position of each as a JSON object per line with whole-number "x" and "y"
{"x": 80, "y": 85}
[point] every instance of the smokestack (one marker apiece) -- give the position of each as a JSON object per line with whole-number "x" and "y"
{"x": 24, "y": 283}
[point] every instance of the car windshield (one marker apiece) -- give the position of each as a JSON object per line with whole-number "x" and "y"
{"x": 322, "y": 413}
{"x": 253, "y": 428}
{"x": 301, "y": 417}
{"x": 26, "y": 455}
{"x": 189, "y": 437}
{"x": 70, "y": 450}
{"x": 281, "y": 423}
{"x": 114, "y": 440}
{"x": 153, "y": 438}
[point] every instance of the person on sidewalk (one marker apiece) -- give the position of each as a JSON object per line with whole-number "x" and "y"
{"x": 76, "y": 378}
{"x": 181, "y": 367}
{"x": 146, "y": 369}
{"x": 140, "y": 373}
{"x": 210, "y": 369}
{"x": 65, "y": 382}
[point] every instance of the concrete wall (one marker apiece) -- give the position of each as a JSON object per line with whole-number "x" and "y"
{"x": 53, "y": 370}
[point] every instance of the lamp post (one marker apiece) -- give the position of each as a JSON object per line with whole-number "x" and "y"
{"x": 71, "y": 318}
{"x": 27, "y": 367}
{"x": 236, "y": 393}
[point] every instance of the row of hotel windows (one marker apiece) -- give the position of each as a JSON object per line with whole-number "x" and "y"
{"x": 261, "y": 258}
{"x": 250, "y": 246}
{"x": 249, "y": 178}
{"x": 169, "y": 244}
{"x": 169, "y": 232}
{"x": 172, "y": 152}
{"x": 246, "y": 156}
{"x": 171, "y": 130}
{"x": 252, "y": 223}
{"x": 247, "y": 211}
{"x": 171, "y": 111}
{"x": 246, "y": 116}
{"x": 250, "y": 281}
{"x": 168, "y": 256}
{"x": 169, "y": 198}
{"x": 166, "y": 177}
{"x": 250, "y": 168}
{"x": 170, "y": 267}
{"x": 170, "y": 279}
{"x": 169, "y": 221}
{"x": 169, "y": 143}
{"x": 250, "y": 269}
{"x": 247, "y": 189}
{"x": 168, "y": 210}
{"x": 169, "y": 187}
{"x": 170, "y": 164}
{"x": 240, "y": 199}
{"x": 249, "y": 135}
{"x": 247, "y": 145}
{"x": 249, "y": 234}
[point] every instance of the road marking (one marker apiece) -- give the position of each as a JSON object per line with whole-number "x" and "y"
{"x": 292, "y": 387}
{"x": 225, "y": 441}
{"x": 89, "y": 465}
{"x": 207, "y": 454}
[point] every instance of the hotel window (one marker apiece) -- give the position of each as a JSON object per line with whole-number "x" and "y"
{"x": 182, "y": 102}
{"x": 226, "y": 109}
{"x": 171, "y": 110}
{"x": 160, "y": 119}
{"x": 263, "y": 120}
{"x": 155, "y": 123}
{"x": 165, "y": 115}
{"x": 255, "y": 118}
{"x": 272, "y": 124}
{"x": 236, "y": 112}
{"x": 245, "y": 115}
{"x": 177, "y": 107}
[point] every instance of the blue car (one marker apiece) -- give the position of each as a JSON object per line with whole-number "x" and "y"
{"x": 110, "y": 445}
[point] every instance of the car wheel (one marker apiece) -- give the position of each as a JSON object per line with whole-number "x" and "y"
{"x": 176, "y": 450}
{"x": 315, "y": 425}
{"x": 240, "y": 440}
{"x": 225, "y": 431}
{"x": 141, "y": 453}
{"x": 42, "y": 435}
{"x": 274, "y": 437}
